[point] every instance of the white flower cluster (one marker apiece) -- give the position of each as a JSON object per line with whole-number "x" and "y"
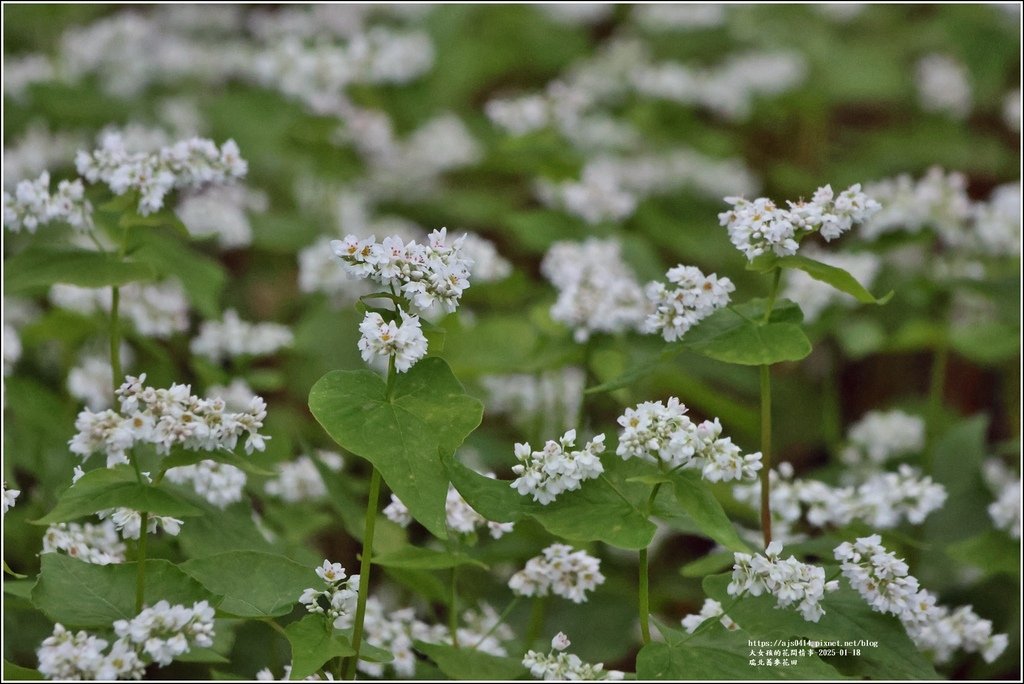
{"x": 710, "y": 609}
{"x": 729, "y": 89}
{"x": 98, "y": 544}
{"x": 882, "y": 435}
{"x": 158, "y": 310}
{"x": 943, "y": 85}
{"x": 165, "y": 418}
{"x": 158, "y": 634}
{"x": 813, "y": 296}
{"x": 191, "y": 163}
{"x": 789, "y": 581}
{"x": 22, "y": 71}
{"x": 559, "y": 570}
{"x": 610, "y": 188}
{"x": 761, "y": 227}
{"x": 548, "y": 402}
{"x": 267, "y": 675}
{"x": 300, "y": 480}
{"x": 128, "y": 522}
{"x": 9, "y": 497}
{"x": 459, "y": 515}
{"x": 89, "y": 380}
{"x": 556, "y": 665}
{"x": 338, "y": 600}
{"x": 597, "y": 291}
{"x": 36, "y": 150}
{"x": 319, "y": 272}
{"x": 1005, "y": 511}
{"x": 679, "y": 17}
{"x": 997, "y": 223}
{"x": 694, "y": 298}
{"x": 231, "y": 337}
{"x": 487, "y": 265}
{"x": 664, "y": 434}
{"x": 380, "y": 339}
{"x": 429, "y": 274}
{"x": 938, "y": 200}
{"x": 221, "y": 211}
{"x": 557, "y": 468}
{"x": 883, "y": 580}
{"x": 32, "y": 205}
{"x": 218, "y": 483}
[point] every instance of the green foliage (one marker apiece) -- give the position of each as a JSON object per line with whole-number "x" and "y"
{"x": 417, "y": 558}
{"x": 254, "y": 584}
{"x": 314, "y": 643}
{"x": 468, "y": 663}
{"x": 40, "y": 266}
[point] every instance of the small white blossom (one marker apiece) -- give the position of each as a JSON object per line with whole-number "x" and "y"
{"x": 232, "y": 337}
{"x": 557, "y": 468}
{"x": 459, "y": 515}
{"x": 883, "y": 435}
{"x": 943, "y": 85}
{"x": 789, "y": 581}
{"x": 380, "y": 339}
{"x": 559, "y": 570}
{"x": 677, "y": 310}
{"x": 221, "y": 211}
{"x": 338, "y": 601}
{"x": 32, "y": 205}
{"x": 218, "y": 483}
{"x": 938, "y": 200}
{"x": 164, "y": 631}
{"x": 710, "y": 609}
{"x": 557, "y": 665}
{"x": 128, "y": 522}
{"x": 560, "y": 642}
{"x": 1005, "y": 511}
{"x": 10, "y": 495}
{"x": 98, "y": 544}
{"x": 158, "y": 310}
{"x": 300, "y": 480}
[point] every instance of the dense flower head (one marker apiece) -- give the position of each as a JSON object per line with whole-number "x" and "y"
{"x": 882, "y": 435}
{"x": 166, "y": 418}
{"x": 191, "y": 163}
{"x": 300, "y": 480}
{"x": 155, "y": 310}
{"x": 943, "y": 85}
{"x": 559, "y": 570}
{"x": 557, "y": 665}
{"x": 662, "y": 433}
{"x": 232, "y": 337}
{"x": 1005, "y": 511}
{"x": 761, "y": 226}
{"x": 338, "y": 600}
{"x": 937, "y": 200}
{"x": 789, "y": 581}
{"x": 32, "y": 205}
{"x": 380, "y": 339}
{"x": 676, "y": 310}
{"x": 885, "y": 583}
{"x": 558, "y": 467}
{"x": 164, "y": 631}
{"x": 710, "y": 609}
{"x": 99, "y": 544}
{"x": 220, "y": 484}
{"x": 221, "y": 211}
{"x": 460, "y": 517}
{"x": 435, "y": 273}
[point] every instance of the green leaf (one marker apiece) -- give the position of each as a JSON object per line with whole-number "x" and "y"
{"x": 79, "y": 594}
{"x": 106, "y": 488}
{"x": 739, "y": 334}
{"x": 694, "y": 497}
{"x": 836, "y": 277}
{"x": 15, "y": 575}
{"x": 993, "y": 552}
{"x": 427, "y": 415}
{"x": 254, "y": 584}
{"x": 987, "y": 343}
{"x": 202, "y": 278}
{"x": 41, "y": 266}
{"x": 181, "y": 457}
{"x": 419, "y": 558}
{"x": 468, "y": 664}
{"x": 706, "y": 565}
{"x": 17, "y": 673}
{"x": 314, "y": 642}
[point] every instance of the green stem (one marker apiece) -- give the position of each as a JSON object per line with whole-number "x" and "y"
{"x": 536, "y": 620}
{"x": 766, "y": 453}
{"x": 773, "y": 292}
{"x": 364, "y": 569}
{"x": 453, "y": 610}
{"x": 497, "y": 623}
{"x": 140, "y": 576}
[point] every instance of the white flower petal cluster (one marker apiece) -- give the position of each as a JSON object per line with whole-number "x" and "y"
{"x": 662, "y": 433}
{"x": 559, "y": 570}
{"x": 459, "y": 515}
{"x": 338, "y": 600}
{"x": 937, "y": 200}
{"x": 155, "y": 310}
{"x": 789, "y": 581}
{"x": 813, "y": 296}
{"x": 883, "y": 580}
{"x": 597, "y": 290}
{"x": 997, "y": 222}
{"x": 32, "y": 205}
{"x": 218, "y": 483}
{"x": 557, "y": 665}
{"x": 487, "y": 264}
{"x": 319, "y": 272}
{"x": 710, "y": 609}
{"x": 128, "y": 522}
{"x": 761, "y": 227}
{"x": 1005, "y": 511}
{"x": 11, "y": 348}
{"x": 557, "y": 468}
{"x": 300, "y": 480}
{"x": 686, "y": 17}
{"x": 166, "y": 418}
{"x": 22, "y": 71}
{"x": 678, "y": 309}
{"x": 89, "y": 380}
{"x": 191, "y": 163}
{"x": 880, "y": 436}
{"x": 164, "y": 631}
{"x": 66, "y": 655}
{"x": 943, "y": 85}
{"x": 548, "y": 402}
{"x": 98, "y": 544}
{"x": 231, "y": 337}
{"x": 429, "y": 274}
{"x": 9, "y": 498}
{"x": 380, "y": 339}
{"x": 37, "y": 149}
{"x": 221, "y": 211}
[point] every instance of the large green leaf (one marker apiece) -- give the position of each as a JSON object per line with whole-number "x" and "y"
{"x": 314, "y": 642}
{"x": 106, "y": 488}
{"x": 17, "y": 673}
{"x": 838, "y": 278}
{"x": 739, "y": 334}
{"x": 79, "y": 594}
{"x": 427, "y": 414}
{"x": 182, "y": 457}
{"x": 42, "y": 266}
{"x": 694, "y": 497}
{"x": 468, "y": 664}
{"x": 419, "y": 558}
{"x": 254, "y": 584}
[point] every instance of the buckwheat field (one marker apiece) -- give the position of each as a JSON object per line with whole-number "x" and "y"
{"x": 511, "y": 342}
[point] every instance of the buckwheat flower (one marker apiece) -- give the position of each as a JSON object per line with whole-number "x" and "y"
{"x": 300, "y": 480}
{"x": 218, "y": 483}
{"x": 882, "y": 435}
{"x": 265, "y": 675}
{"x": 338, "y": 600}
{"x": 789, "y": 581}
{"x": 10, "y": 495}
{"x": 547, "y": 402}
{"x": 938, "y": 200}
{"x": 558, "y": 467}
{"x": 319, "y": 272}
{"x": 157, "y": 310}
{"x": 675, "y": 311}
{"x": 164, "y": 631}
{"x": 71, "y": 655}
{"x": 221, "y": 211}
{"x": 232, "y": 337}
{"x": 996, "y": 224}
{"x": 32, "y": 205}
{"x": 488, "y": 265}
{"x": 98, "y": 544}
{"x": 561, "y": 571}
{"x": 710, "y": 609}
{"x": 678, "y": 17}
{"x": 380, "y": 339}
{"x": 943, "y": 85}
{"x": 557, "y": 665}
{"x": 1005, "y": 510}
{"x": 128, "y": 522}
{"x": 89, "y": 380}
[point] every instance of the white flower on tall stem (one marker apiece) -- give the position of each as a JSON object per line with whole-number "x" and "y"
{"x": 383, "y": 339}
